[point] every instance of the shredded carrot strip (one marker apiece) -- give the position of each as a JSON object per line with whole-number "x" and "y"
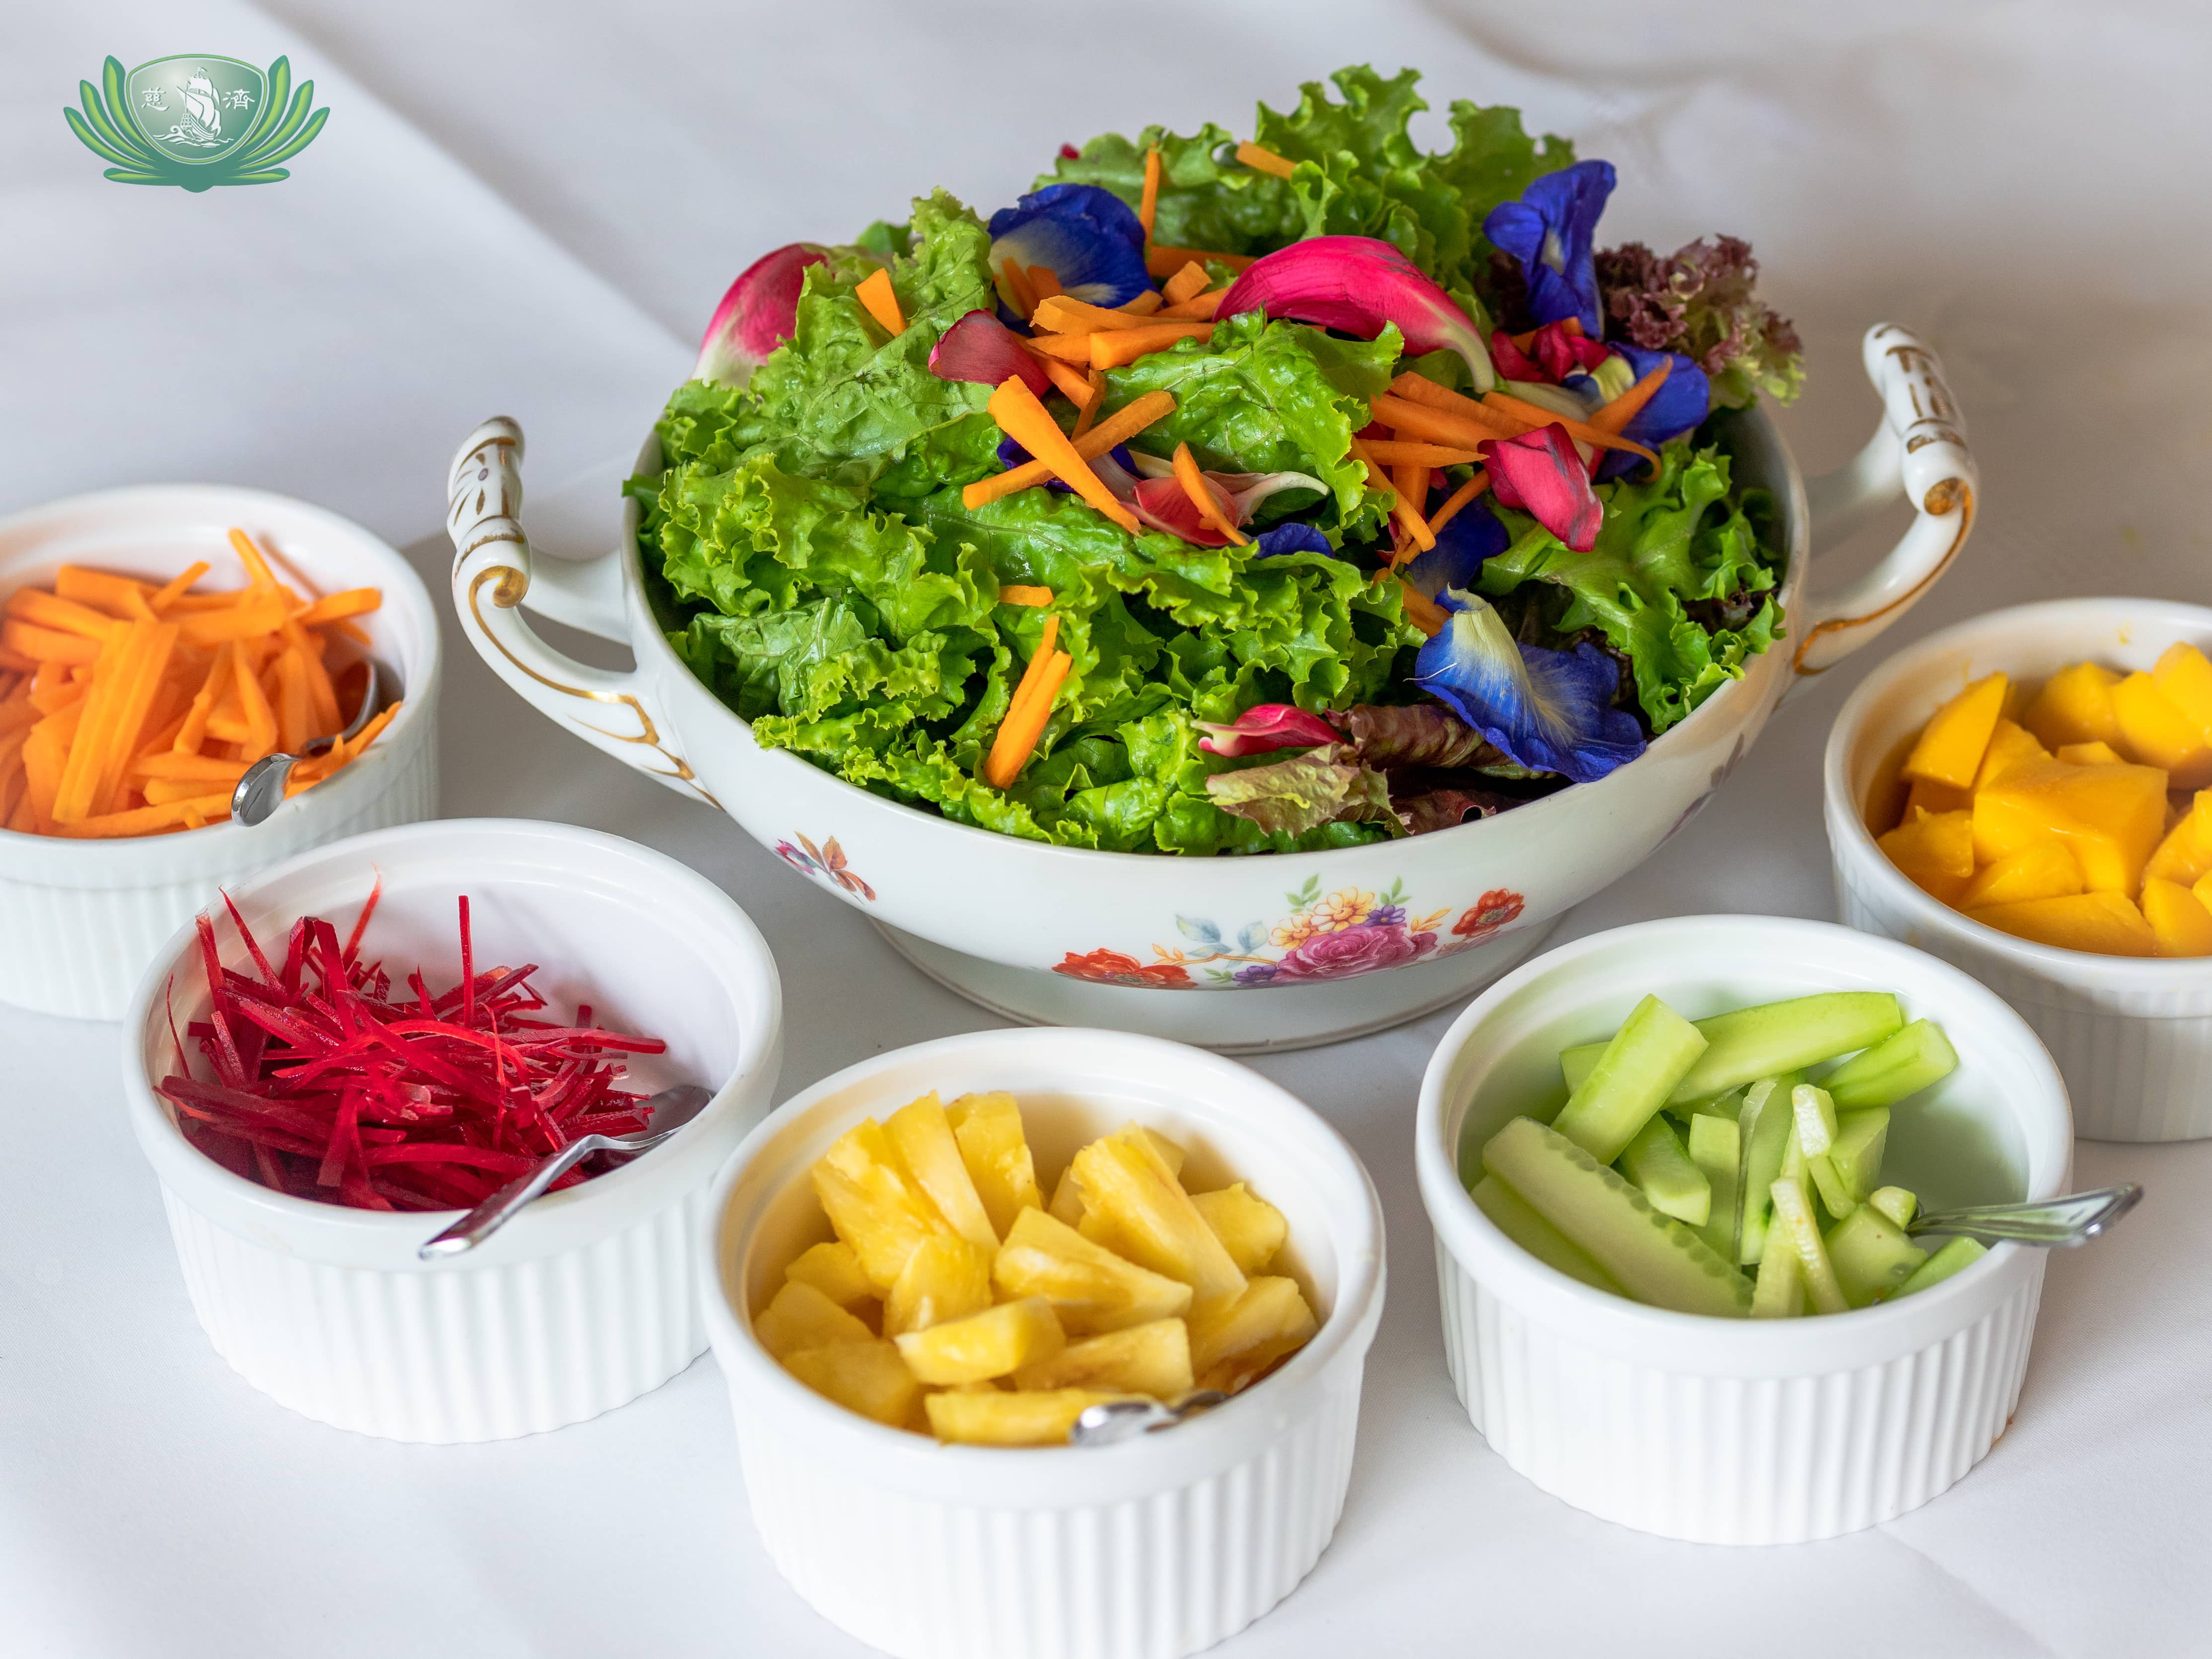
{"x": 1089, "y": 412}
{"x": 1017, "y": 594}
{"x": 881, "y": 299}
{"x": 1166, "y": 261}
{"x": 1143, "y": 305}
{"x": 1061, "y": 315}
{"x": 118, "y": 596}
{"x": 1044, "y": 282}
{"x": 1025, "y": 297}
{"x": 1424, "y": 612}
{"x": 260, "y": 734}
{"x": 352, "y": 602}
{"x": 1113, "y": 351}
{"x": 1068, "y": 348}
{"x": 16, "y": 663}
{"x": 1002, "y": 279}
{"x": 144, "y": 820}
{"x": 1615, "y": 416}
{"x": 1023, "y": 418}
{"x": 1029, "y": 712}
{"x": 1187, "y": 283}
{"x": 1148, "y": 204}
{"x": 45, "y": 645}
{"x": 1458, "y": 499}
{"x": 264, "y": 613}
{"x": 257, "y": 567}
{"x": 66, "y": 616}
{"x": 19, "y": 715}
{"x": 1407, "y": 515}
{"x": 172, "y": 768}
{"x": 1072, "y": 382}
{"x": 1196, "y": 486}
{"x": 1460, "y": 428}
{"x": 1198, "y": 308}
{"x": 1264, "y": 160}
{"x": 1123, "y": 424}
{"x": 166, "y": 595}
{"x": 1394, "y": 452}
{"x": 1538, "y": 417}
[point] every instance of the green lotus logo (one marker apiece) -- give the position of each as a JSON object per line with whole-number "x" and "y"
{"x": 196, "y": 121}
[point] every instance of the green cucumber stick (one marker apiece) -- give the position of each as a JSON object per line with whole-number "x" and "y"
{"x": 1780, "y": 1292}
{"x": 1896, "y": 1203}
{"x": 1953, "y": 1257}
{"x": 1862, "y": 1138}
{"x": 1816, "y": 1118}
{"x": 1796, "y": 1229}
{"x": 1835, "y": 1198}
{"x": 1634, "y": 1075}
{"x": 1775, "y": 1036}
{"x": 1764, "y": 1125}
{"x": 1715, "y": 1147}
{"x": 1871, "y": 1256}
{"x": 1513, "y": 1217}
{"x": 1896, "y": 1067}
{"x": 1655, "y": 1162}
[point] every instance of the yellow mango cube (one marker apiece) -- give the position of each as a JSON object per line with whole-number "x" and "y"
{"x": 1927, "y": 795}
{"x": 2156, "y": 733}
{"x": 2110, "y": 818}
{"x": 994, "y": 1343}
{"x": 2185, "y": 855}
{"x": 873, "y": 1202}
{"x": 2203, "y": 888}
{"x": 988, "y": 1127}
{"x": 1090, "y": 1288}
{"x": 922, "y": 1135}
{"x": 2184, "y": 676}
{"x": 993, "y": 1418}
{"x": 868, "y": 1377}
{"x": 2009, "y": 744}
{"x": 2177, "y": 919}
{"x": 1232, "y": 1342}
{"x": 1125, "y": 1181}
{"x": 2044, "y": 870}
{"x": 1935, "y": 851}
{"x": 1151, "y": 1358}
{"x": 2074, "y": 706}
{"x": 2106, "y": 923}
{"x": 833, "y": 1269}
{"x": 1249, "y": 1228}
{"x": 1952, "y": 743}
{"x": 2090, "y": 754}
{"x": 800, "y": 1316}
{"x": 945, "y": 1278}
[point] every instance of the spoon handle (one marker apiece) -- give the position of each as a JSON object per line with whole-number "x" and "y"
{"x": 479, "y": 1224}
{"x": 2072, "y": 1219}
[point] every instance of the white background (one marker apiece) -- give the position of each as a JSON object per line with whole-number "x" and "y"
{"x": 530, "y": 208}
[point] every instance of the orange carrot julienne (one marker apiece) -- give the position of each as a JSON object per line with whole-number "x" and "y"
{"x": 1398, "y": 451}
{"x": 1146, "y": 302}
{"x": 1456, "y": 427}
{"x": 1044, "y": 282}
{"x": 66, "y": 616}
{"x": 45, "y": 644}
{"x": 1018, "y": 593}
{"x": 257, "y": 567}
{"x": 1023, "y": 418}
{"x": 1200, "y": 489}
{"x": 1068, "y": 348}
{"x": 1198, "y": 308}
{"x": 1113, "y": 351}
{"x": 1123, "y": 424}
{"x": 1148, "y": 204}
{"x": 1458, "y": 499}
{"x": 167, "y": 594}
{"x": 1061, "y": 315}
{"x": 1424, "y": 612}
{"x": 1088, "y": 411}
{"x": 117, "y": 596}
{"x": 1024, "y": 297}
{"x": 881, "y": 299}
{"x": 1264, "y": 160}
{"x": 1615, "y": 416}
{"x": 1539, "y": 417}
{"x": 143, "y": 820}
{"x": 1004, "y": 762}
{"x": 1187, "y": 283}
{"x": 351, "y": 602}
{"x": 1074, "y": 383}
{"x": 1407, "y": 516}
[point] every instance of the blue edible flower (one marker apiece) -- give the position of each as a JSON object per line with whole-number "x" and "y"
{"x": 1551, "y": 231}
{"x": 1550, "y": 711}
{"x": 1469, "y": 536}
{"x": 1087, "y": 237}
{"x": 1683, "y": 401}
{"x": 1290, "y": 538}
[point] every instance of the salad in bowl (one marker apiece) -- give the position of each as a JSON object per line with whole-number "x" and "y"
{"x": 1228, "y": 497}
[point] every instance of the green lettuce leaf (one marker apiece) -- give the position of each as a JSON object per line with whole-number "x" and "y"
{"x": 1324, "y": 785}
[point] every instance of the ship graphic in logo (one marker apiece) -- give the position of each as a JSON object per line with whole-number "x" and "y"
{"x": 196, "y": 121}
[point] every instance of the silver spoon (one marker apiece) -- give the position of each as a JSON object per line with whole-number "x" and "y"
{"x": 261, "y": 790}
{"x": 2073, "y": 1220}
{"x": 1112, "y": 1421}
{"x": 666, "y": 1113}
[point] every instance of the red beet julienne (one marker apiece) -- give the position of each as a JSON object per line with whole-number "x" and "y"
{"x": 325, "y": 1088}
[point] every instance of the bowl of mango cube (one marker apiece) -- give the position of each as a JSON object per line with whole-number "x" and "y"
{"x": 924, "y": 1272}
{"x": 2028, "y": 795}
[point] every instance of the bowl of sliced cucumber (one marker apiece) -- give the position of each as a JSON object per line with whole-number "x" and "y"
{"x": 1674, "y": 1170}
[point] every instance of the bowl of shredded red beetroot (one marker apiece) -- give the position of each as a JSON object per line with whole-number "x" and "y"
{"x": 340, "y": 1056}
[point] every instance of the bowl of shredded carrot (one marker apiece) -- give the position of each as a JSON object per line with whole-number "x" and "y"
{"x": 155, "y": 644}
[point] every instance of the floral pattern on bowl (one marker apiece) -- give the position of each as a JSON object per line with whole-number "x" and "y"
{"x": 1325, "y": 936}
{"x": 827, "y": 862}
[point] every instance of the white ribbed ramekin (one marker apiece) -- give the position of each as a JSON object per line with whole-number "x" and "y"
{"x": 590, "y": 1296}
{"x": 2132, "y": 1036}
{"x": 1148, "y": 1550}
{"x": 1724, "y": 1431}
{"x": 83, "y": 918}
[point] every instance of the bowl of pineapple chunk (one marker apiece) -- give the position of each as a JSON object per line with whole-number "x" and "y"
{"x": 926, "y": 1268}
{"x": 2028, "y": 795}
{"x": 1673, "y": 1170}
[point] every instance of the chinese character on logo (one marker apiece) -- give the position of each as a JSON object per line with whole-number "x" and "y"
{"x": 154, "y": 98}
{"x": 239, "y": 99}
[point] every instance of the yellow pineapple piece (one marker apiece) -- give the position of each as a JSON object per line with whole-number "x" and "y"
{"x": 1151, "y": 1358}
{"x": 1250, "y": 1229}
{"x": 800, "y": 1316}
{"x": 2089, "y": 754}
{"x": 2074, "y": 706}
{"x": 2044, "y": 869}
{"x": 833, "y": 1268}
{"x": 1233, "y": 1342}
{"x": 868, "y": 1377}
{"x": 2156, "y": 733}
{"x": 1170, "y": 1155}
{"x": 1090, "y": 1288}
{"x": 1951, "y": 743}
{"x": 2185, "y": 855}
{"x": 2180, "y": 922}
{"x": 993, "y": 1418}
{"x": 1158, "y": 1227}
{"x": 994, "y": 1343}
{"x": 2009, "y": 745}
{"x": 922, "y": 1135}
{"x": 1067, "y": 1204}
{"x": 947, "y": 1278}
{"x": 988, "y": 1128}
{"x": 874, "y": 1204}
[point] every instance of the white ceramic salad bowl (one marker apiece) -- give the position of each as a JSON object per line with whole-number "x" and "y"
{"x": 83, "y": 918}
{"x": 1150, "y": 1549}
{"x": 2132, "y": 1036}
{"x": 1065, "y": 936}
{"x": 588, "y": 1299}
{"x": 1726, "y": 1430}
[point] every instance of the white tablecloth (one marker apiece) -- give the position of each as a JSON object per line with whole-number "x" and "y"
{"x": 530, "y": 208}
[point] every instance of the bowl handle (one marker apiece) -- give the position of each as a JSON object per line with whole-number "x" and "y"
{"x": 493, "y": 575}
{"x": 1920, "y": 448}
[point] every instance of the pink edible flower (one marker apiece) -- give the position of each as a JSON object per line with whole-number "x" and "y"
{"x": 1359, "y": 285}
{"x": 1540, "y": 474}
{"x": 756, "y": 315}
{"x": 1266, "y": 726}
{"x": 981, "y": 348}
